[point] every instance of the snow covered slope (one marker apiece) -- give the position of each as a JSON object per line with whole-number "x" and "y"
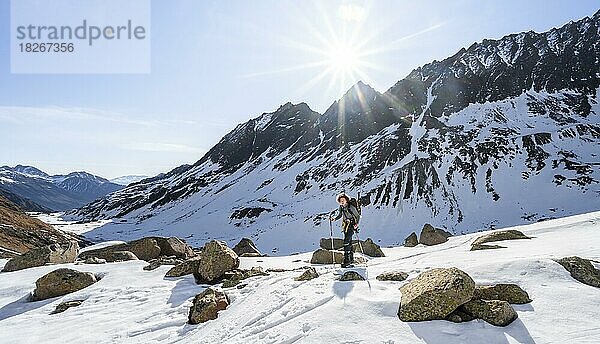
{"x": 129, "y": 305}
{"x": 505, "y": 132}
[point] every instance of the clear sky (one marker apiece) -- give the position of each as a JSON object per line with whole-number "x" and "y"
{"x": 218, "y": 63}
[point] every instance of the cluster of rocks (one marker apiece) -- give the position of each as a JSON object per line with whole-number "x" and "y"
{"x": 51, "y": 254}
{"x": 481, "y": 242}
{"x": 330, "y": 251}
{"x": 429, "y": 236}
{"x": 148, "y": 249}
{"x": 451, "y": 294}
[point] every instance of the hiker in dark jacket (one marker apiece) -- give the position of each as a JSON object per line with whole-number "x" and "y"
{"x": 350, "y": 218}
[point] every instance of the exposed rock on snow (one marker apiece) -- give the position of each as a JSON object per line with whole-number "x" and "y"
{"x": 511, "y": 234}
{"x": 246, "y": 248}
{"x": 351, "y": 276}
{"x": 186, "y": 267}
{"x": 215, "y": 260}
{"x": 411, "y": 240}
{"x": 95, "y": 260}
{"x": 370, "y": 248}
{"x": 435, "y": 294}
{"x": 321, "y": 256}
{"x": 61, "y": 282}
{"x": 234, "y": 277}
{"x": 162, "y": 260}
{"x": 433, "y": 236}
{"x": 477, "y": 247}
{"x": 338, "y": 243}
{"x": 581, "y": 270}
{"x": 510, "y": 293}
{"x": 206, "y": 306}
{"x": 51, "y": 254}
{"x": 495, "y": 312}
{"x": 147, "y": 248}
{"x": 307, "y": 275}
{"x": 63, "y": 306}
{"x": 392, "y": 276}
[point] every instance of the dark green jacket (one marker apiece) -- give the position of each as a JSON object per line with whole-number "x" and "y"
{"x": 348, "y": 212}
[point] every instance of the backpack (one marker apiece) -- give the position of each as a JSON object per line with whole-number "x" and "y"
{"x": 356, "y": 203}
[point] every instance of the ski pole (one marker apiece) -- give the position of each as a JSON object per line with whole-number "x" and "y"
{"x": 359, "y": 244}
{"x": 331, "y": 238}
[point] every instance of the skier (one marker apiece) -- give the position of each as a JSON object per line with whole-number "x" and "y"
{"x": 350, "y": 215}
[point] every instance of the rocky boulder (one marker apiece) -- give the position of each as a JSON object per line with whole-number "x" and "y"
{"x": 322, "y": 256}
{"x": 511, "y": 234}
{"x": 371, "y": 249}
{"x": 160, "y": 261}
{"x": 392, "y": 276}
{"x": 246, "y": 248}
{"x": 206, "y": 306}
{"x": 433, "y": 236}
{"x": 51, "y": 254}
{"x": 338, "y": 244}
{"x": 510, "y": 293}
{"x": 147, "y": 248}
{"x": 478, "y": 247}
{"x": 351, "y": 276}
{"x": 234, "y": 277}
{"x": 411, "y": 240}
{"x": 215, "y": 260}
{"x": 307, "y": 275}
{"x": 186, "y": 267}
{"x": 95, "y": 260}
{"x": 435, "y": 294}
{"x": 61, "y": 282}
{"x": 582, "y": 270}
{"x": 495, "y": 312}
{"x": 63, "y": 306}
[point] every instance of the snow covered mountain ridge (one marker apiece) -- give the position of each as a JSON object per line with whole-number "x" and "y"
{"x": 504, "y": 132}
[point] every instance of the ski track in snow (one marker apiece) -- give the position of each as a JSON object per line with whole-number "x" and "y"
{"x": 130, "y": 305}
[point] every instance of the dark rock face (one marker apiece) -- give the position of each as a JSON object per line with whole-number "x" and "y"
{"x": 51, "y": 254}
{"x": 246, "y": 247}
{"x": 215, "y": 260}
{"x": 392, "y": 276}
{"x": 351, "y": 276}
{"x": 511, "y": 234}
{"x": 207, "y": 305}
{"x": 61, "y": 282}
{"x": 147, "y": 248}
{"x": 510, "y": 293}
{"x": 435, "y": 294}
{"x": 433, "y": 236}
{"x": 581, "y": 270}
{"x": 411, "y": 240}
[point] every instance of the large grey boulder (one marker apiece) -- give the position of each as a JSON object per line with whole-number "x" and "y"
{"x": 51, "y": 254}
{"x": 207, "y": 305}
{"x": 582, "y": 270}
{"x": 511, "y": 234}
{"x": 215, "y": 260}
{"x": 370, "y": 248}
{"x": 351, "y": 276}
{"x": 338, "y": 244}
{"x": 433, "y": 236}
{"x": 392, "y": 276}
{"x": 186, "y": 267}
{"x": 321, "y": 256}
{"x": 147, "y": 248}
{"x": 246, "y": 248}
{"x": 61, "y": 282}
{"x": 435, "y": 294}
{"x": 411, "y": 240}
{"x": 495, "y": 312}
{"x": 508, "y": 292}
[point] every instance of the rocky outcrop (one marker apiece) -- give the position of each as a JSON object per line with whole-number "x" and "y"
{"x": 215, "y": 260}
{"x": 51, "y": 254}
{"x": 351, "y": 276}
{"x": 63, "y": 306}
{"x": 246, "y": 248}
{"x": 61, "y": 282}
{"x": 207, "y": 305}
{"x": 108, "y": 255}
{"x": 392, "y": 276}
{"x": 435, "y": 294}
{"x": 495, "y": 312}
{"x": 307, "y": 275}
{"x": 186, "y": 267}
{"x": 147, "y": 248}
{"x": 322, "y": 256}
{"x": 511, "y": 234}
{"x": 433, "y": 236}
{"x": 582, "y": 270}
{"x": 510, "y": 293}
{"x": 370, "y": 248}
{"x": 411, "y": 240}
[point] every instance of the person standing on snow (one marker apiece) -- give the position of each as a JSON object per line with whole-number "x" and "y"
{"x": 350, "y": 217}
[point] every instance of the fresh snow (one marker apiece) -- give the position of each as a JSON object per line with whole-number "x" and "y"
{"x": 131, "y": 305}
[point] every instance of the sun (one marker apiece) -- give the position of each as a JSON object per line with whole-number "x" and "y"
{"x": 343, "y": 58}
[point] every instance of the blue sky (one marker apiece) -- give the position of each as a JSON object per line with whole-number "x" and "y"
{"x": 219, "y": 63}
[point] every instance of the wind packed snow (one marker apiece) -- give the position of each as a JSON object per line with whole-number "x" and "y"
{"x": 130, "y": 305}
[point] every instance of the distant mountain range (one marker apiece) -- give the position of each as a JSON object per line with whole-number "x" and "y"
{"x": 501, "y": 133}
{"x": 126, "y": 180}
{"x": 34, "y": 190}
